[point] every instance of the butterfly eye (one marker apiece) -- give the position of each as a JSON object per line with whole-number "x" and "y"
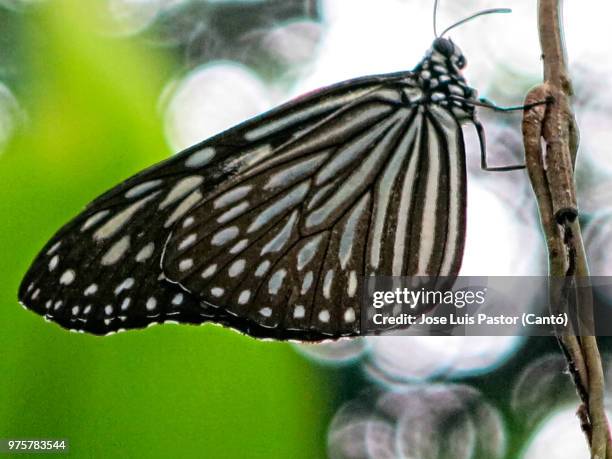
{"x": 444, "y": 47}
{"x": 461, "y": 62}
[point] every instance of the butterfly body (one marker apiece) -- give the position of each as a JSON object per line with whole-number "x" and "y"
{"x": 272, "y": 226}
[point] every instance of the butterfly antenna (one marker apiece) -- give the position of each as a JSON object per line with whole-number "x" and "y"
{"x": 482, "y": 13}
{"x": 435, "y": 18}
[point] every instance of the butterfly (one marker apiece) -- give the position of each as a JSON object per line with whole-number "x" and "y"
{"x": 272, "y": 227}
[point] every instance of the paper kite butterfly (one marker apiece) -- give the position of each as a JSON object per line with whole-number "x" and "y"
{"x": 272, "y": 226}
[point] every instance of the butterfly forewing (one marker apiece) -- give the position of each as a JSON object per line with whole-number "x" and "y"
{"x": 377, "y": 188}
{"x": 101, "y": 272}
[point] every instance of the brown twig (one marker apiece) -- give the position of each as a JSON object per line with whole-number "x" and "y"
{"x": 552, "y": 177}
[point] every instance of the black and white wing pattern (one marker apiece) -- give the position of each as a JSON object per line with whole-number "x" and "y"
{"x": 272, "y": 226}
{"x": 287, "y": 243}
{"x": 101, "y": 272}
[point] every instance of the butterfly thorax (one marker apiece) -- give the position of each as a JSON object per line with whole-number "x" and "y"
{"x": 439, "y": 76}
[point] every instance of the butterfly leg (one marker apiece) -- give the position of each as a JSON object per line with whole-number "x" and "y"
{"x": 483, "y": 153}
{"x": 481, "y": 133}
{"x": 486, "y": 103}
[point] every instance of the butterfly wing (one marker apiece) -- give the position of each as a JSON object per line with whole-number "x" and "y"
{"x": 101, "y": 272}
{"x": 376, "y": 189}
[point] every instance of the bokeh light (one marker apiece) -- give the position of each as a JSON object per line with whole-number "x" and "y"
{"x": 12, "y": 115}
{"x": 541, "y": 388}
{"x": 420, "y": 422}
{"x": 558, "y": 437}
{"x": 133, "y": 16}
{"x": 597, "y": 237}
{"x": 192, "y": 104}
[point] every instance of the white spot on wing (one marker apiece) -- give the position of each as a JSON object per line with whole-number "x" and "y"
{"x": 116, "y": 252}
{"x": 307, "y": 252}
{"x": 299, "y": 312}
{"x": 95, "y": 218}
{"x": 327, "y": 283}
{"x": 178, "y": 299}
{"x": 188, "y": 241}
{"x": 283, "y": 236}
{"x": 240, "y": 246}
{"x": 55, "y": 246}
{"x": 181, "y": 189}
{"x": 233, "y": 212}
{"x": 307, "y": 282}
{"x": 349, "y": 315}
{"x": 244, "y": 297}
{"x": 200, "y": 158}
{"x": 217, "y": 291}
{"x": 350, "y": 228}
{"x": 113, "y": 225}
{"x": 127, "y": 284}
{"x": 276, "y": 281}
{"x": 225, "y": 235}
{"x": 262, "y": 268}
{"x": 151, "y": 304}
{"x": 185, "y": 265}
{"x": 183, "y": 207}
{"x": 324, "y": 316}
{"x": 289, "y": 175}
{"x": 352, "y": 286}
{"x": 188, "y": 222}
{"x": 145, "y": 253}
{"x": 67, "y": 278}
{"x": 209, "y": 271}
{"x": 53, "y": 262}
{"x": 232, "y": 196}
{"x": 142, "y": 188}
{"x": 266, "y": 312}
{"x": 92, "y": 289}
{"x": 237, "y": 268}
{"x": 288, "y": 200}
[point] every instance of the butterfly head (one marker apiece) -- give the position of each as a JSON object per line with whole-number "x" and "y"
{"x": 440, "y": 77}
{"x": 444, "y": 48}
{"x": 443, "y": 63}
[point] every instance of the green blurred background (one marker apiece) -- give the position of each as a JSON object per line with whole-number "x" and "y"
{"x": 163, "y": 392}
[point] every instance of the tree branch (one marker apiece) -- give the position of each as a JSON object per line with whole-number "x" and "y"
{"x": 552, "y": 176}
